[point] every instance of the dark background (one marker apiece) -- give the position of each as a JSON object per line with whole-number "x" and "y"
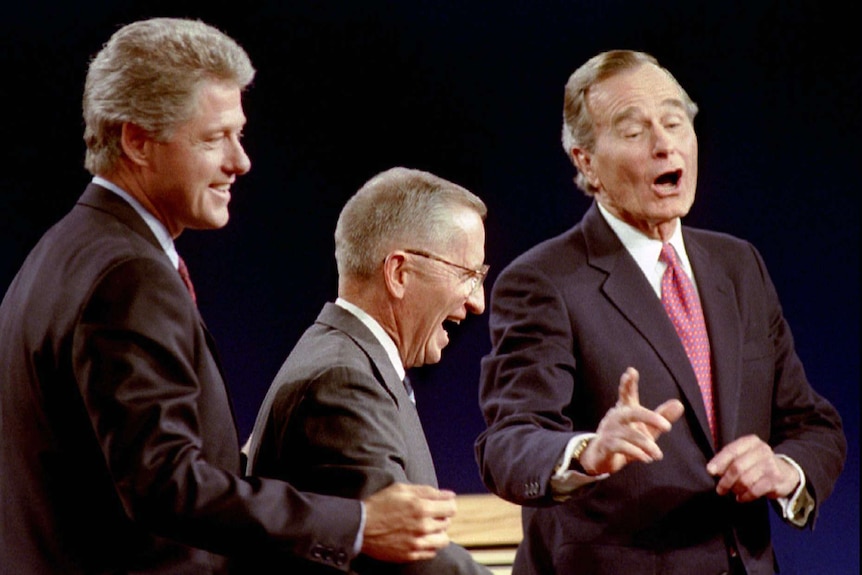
{"x": 472, "y": 91}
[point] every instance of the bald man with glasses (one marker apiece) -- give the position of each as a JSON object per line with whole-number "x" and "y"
{"x": 340, "y": 416}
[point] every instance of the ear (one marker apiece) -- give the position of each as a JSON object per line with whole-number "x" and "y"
{"x": 395, "y": 274}
{"x": 584, "y": 162}
{"x": 136, "y": 143}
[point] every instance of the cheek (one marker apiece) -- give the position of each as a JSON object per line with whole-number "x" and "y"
{"x": 620, "y": 167}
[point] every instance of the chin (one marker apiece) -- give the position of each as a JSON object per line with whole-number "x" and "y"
{"x": 433, "y": 356}
{"x": 216, "y": 221}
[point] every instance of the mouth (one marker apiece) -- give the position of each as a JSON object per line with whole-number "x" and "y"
{"x": 668, "y": 181}
{"x": 222, "y": 190}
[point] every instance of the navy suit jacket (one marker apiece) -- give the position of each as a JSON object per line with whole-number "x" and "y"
{"x": 337, "y": 419}
{"x": 119, "y": 449}
{"x": 567, "y": 318}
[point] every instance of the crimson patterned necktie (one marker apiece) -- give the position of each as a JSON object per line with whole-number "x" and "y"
{"x": 680, "y": 300}
{"x": 184, "y": 273}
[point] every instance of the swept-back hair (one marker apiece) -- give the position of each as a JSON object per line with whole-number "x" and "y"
{"x": 148, "y": 74}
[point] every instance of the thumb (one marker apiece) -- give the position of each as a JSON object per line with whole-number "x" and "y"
{"x": 671, "y": 410}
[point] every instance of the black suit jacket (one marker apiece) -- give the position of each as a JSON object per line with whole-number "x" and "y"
{"x": 567, "y": 318}
{"x": 119, "y": 451}
{"x": 337, "y": 419}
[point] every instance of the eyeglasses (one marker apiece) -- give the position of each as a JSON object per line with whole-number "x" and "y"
{"x": 476, "y": 277}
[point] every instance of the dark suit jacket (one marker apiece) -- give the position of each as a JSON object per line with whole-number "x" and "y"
{"x": 119, "y": 449}
{"x": 567, "y": 318}
{"x": 337, "y": 419}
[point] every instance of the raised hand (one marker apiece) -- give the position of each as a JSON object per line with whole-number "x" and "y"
{"x": 628, "y": 431}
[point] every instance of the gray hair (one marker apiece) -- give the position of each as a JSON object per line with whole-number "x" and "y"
{"x": 398, "y": 208}
{"x": 148, "y": 74}
{"x": 577, "y": 123}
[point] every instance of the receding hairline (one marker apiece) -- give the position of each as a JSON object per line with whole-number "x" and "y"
{"x": 678, "y": 101}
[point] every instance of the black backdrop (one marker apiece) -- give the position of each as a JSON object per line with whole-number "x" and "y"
{"x": 473, "y": 92}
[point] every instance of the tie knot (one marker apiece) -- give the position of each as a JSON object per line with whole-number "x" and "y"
{"x": 668, "y": 255}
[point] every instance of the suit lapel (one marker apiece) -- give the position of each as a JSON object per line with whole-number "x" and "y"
{"x": 630, "y": 292}
{"x": 420, "y": 466}
{"x": 342, "y": 320}
{"x": 98, "y": 198}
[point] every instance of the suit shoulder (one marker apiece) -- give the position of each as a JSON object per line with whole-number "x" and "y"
{"x": 321, "y": 351}
{"x": 712, "y": 237}
{"x": 720, "y": 245}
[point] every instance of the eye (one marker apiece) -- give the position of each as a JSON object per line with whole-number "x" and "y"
{"x": 212, "y": 140}
{"x": 673, "y": 122}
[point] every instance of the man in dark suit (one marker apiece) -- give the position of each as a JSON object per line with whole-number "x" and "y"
{"x": 339, "y": 417}
{"x": 120, "y": 453}
{"x": 671, "y": 467}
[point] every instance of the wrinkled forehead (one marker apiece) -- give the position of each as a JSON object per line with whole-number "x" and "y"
{"x": 632, "y": 91}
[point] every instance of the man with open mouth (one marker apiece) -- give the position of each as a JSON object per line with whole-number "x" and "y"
{"x": 643, "y": 398}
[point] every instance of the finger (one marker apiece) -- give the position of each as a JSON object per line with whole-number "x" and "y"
{"x": 628, "y": 392}
{"x": 634, "y": 443}
{"x": 650, "y": 423}
{"x": 671, "y": 410}
{"x": 744, "y": 466}
{"x": 719, "y": 464}
{"x": 440, "y": 509}
{"x": 753, "y": 482}
{"x": 428, "y": 546}
{"x": 430, "y": 501}
{"x": 637, "y": 448}
{"x": 428, "y": 492}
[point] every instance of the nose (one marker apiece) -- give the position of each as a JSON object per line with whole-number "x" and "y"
{"x": 238, "y": 161}
{"x": 476, "y": 301}
{"x": 662, "y": 142}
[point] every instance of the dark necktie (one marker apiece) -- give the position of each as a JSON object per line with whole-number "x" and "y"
{"x": 680, "y": 300}
{"x": 409, "y": 387}
{"x": 184, "y": 273}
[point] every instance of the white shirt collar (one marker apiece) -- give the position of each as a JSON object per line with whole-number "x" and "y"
{"x": 379, "y": 333}
{"x": 157, "y": 227}
{"x": 645, "y": 251}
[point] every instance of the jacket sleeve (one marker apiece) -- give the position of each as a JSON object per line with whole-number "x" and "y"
{"x": 804, "y": 425}
{"x": 526, "y": 383}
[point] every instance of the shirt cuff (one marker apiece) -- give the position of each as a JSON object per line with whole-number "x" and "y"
{"x": 357, "y": 547}
{"x": 798, "y": 507}
{"x": 564, "y": 480}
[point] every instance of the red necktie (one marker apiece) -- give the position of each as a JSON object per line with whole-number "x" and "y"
{"x": 184, "y": 273}
{"x": 683, "y": 306}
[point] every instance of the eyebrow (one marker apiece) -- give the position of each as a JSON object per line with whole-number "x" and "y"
{"x": 632, "y": 111}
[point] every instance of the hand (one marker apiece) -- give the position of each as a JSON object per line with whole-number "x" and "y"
{"x": 628, "y": 431}
{"x": 750, "y": 469}
{"x": 407, "y": 522}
